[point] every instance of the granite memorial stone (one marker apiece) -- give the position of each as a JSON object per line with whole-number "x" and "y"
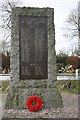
{"x": 33, "y": 58}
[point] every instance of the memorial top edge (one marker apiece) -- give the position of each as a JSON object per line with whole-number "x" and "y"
{"x": 32, "y": 11}
{"x": 31, "y": 8}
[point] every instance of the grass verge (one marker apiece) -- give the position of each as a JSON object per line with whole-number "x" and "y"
{"x": 63, "y": 86}
{"x": 4, "y": 85}
{"x": 69, "y": 86}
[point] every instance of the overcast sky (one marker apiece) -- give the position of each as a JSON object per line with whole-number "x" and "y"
{"x": 62, "y": 9}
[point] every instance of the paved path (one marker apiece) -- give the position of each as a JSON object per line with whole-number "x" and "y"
{"x": 70, "y": 102}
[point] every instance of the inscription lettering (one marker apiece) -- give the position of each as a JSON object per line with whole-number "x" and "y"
{"x": 33, "y": 47}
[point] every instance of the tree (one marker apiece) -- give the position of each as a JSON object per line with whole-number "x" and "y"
{"x": 4, "y": 47}
{"x": 76, "y": 51}
{"x": 73, "y": 50}
{"x": 61, "y": 59}
{"x": 5, "y": 61}
{"x": 6, "y": 8}
{"x": 5, "y": 17}
{"x": 72, "y": 24}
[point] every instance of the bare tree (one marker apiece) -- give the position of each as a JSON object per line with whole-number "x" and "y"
{"x": 72, "y": 25}
{"x": 6, "y": 8}
{"x": 5, "y": 18}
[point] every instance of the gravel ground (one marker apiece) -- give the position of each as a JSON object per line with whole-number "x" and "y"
{"x": 70, "y": 110}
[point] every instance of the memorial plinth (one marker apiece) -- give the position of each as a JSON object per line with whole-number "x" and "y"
{"x": 33, "y": 58}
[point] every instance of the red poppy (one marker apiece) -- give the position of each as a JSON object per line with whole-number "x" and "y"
{"x": 34, "y": 103}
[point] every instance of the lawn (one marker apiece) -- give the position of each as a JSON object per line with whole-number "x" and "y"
{"x": 69, "y": 86}
{"x": 4, "y": 85}
{"x": 63, "y": 86}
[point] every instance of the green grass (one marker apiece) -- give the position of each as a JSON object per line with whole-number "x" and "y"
{"x": 73, "y": 89}
{"x": 4, "y": 85}
{"x": 63, "y": 86}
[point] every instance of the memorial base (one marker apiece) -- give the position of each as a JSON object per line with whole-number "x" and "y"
{"x": 17, "y": 97}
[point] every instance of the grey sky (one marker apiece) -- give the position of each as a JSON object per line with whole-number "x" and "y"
{"x": 62, "y": 9}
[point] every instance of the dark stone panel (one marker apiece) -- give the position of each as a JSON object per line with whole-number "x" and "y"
{"x": 33, "y": 47}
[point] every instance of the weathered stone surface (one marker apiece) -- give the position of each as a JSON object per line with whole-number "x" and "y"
{"x": 20, "y": 90}
{"x": 20, "y": 95}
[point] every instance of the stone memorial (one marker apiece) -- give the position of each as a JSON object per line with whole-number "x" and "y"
{"x": 33, "y": 58}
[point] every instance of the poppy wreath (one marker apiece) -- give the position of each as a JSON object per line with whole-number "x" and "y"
{"x": 34, "y": 103}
